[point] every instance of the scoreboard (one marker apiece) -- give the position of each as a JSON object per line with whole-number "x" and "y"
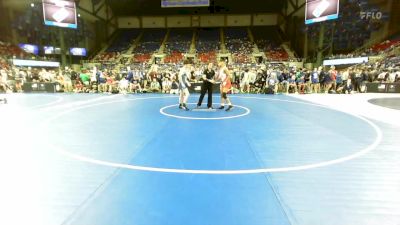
{"x": 60, "y": 13}
{"x": 78, "y": 51}
{"x": 184, "y": 3}
{"x": 321, "y": 10}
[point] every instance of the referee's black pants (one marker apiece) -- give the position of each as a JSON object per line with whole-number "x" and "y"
{"x": 206, "y": 87}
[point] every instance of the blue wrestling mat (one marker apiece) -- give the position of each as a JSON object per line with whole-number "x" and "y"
{"x": 139, "y": 160}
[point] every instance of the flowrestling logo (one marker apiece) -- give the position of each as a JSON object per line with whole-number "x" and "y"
{"x": 371, "y": 15}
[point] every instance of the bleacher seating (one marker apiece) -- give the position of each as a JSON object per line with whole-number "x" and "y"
{"x": 150, "y": 43}
{"x": 124, "y": 40}
{"x": 383, "y": 46}
{"x": 178, "y": 43}
{"x": 141, "y": 57}
{"x": 8, "y": 50}
{"x": 208, "y": 44}
{"x": 107, "y": 56}
{"x": 237, "y": 42}
{"x": 267, "y": 42}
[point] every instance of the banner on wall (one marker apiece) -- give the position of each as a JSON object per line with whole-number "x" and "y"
{"x": 184, "y": 3}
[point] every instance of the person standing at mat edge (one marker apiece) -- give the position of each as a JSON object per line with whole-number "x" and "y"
{"x": 3, "y": 84}
{"x": 183, "y": 78}
{"x": 225, "y": 77}
{"x": 207, "y": 86}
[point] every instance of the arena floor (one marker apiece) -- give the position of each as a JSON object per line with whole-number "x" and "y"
{"x": 89, "y": 159}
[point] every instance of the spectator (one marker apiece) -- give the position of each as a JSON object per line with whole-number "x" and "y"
{"x": 333, "y": 73}
{"x": 123, "y": 85}
{"x": 292, "y": 83}
{"x": 315, "y": 86}
{"x": 135, "y": 84}
{"x": 110, "y": 83}
{"x": 19, "y": 79}
{"x": 154, "y": 85}
{"x": 3, "y": 80}
{"x": 67, "y": 81}
{"x": 93, "y": 76}
{"x": 174, "y": 86}
{"x": 60, "y": 82}
{"x": 166, "y": 85}
{"x": 245, "y": 84}
{"x": 78, "y": 86}
{"x": 327, "y": 81}
{"x": 300, "y": 82}
{"x": 84, "y": 77}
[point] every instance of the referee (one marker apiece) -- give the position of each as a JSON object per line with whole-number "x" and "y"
{"x": 207, "y": 86}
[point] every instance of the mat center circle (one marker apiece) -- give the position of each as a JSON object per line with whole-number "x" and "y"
{"x": 203, "y": 113}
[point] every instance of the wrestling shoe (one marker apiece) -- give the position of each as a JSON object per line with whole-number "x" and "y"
{"x": 221, "y": 107}
{"x": 185, "y": 107}
{"x": 229, "y": 108}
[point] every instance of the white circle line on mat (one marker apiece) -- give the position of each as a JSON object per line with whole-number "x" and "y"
{"x": 41, "y": 106}
{"x": 359, "y": 153}
{"x": 162, "y": 111}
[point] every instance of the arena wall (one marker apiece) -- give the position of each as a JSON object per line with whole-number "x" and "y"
{"x": 175, "y": 21}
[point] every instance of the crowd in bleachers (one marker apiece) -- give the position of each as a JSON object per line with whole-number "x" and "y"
{"x": 107, "y": 56}
{"x": 143, "y": 76}
{"x": 208, "y": 45}
{"x": 124, "y": 41}
{"x": 246, "y": 78}
{"x": 376, "y": 49}
{"x": 237, "y": 42}
{"x": 385, "y": 46}
{"x": 8, "y": 50}
{"x": 178, "y": 44}
{"x": 149, "y": 44}
{"x": 121, "y": 44}
{"x": 5, "y": 54}
{"x": 269, "y": 46}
